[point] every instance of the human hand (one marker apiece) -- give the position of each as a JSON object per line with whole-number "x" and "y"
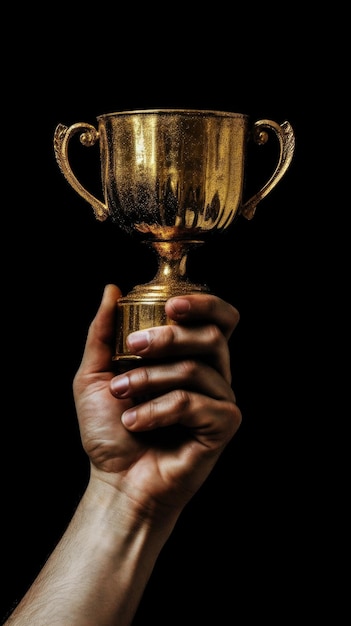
{"x": 159, "y": 450}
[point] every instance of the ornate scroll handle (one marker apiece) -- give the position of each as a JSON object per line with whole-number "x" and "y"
{"x": 62, "y": 137}
{"x": 285, "y": 135}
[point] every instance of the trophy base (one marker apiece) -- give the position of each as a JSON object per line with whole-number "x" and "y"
{"x": 143, "y": 308}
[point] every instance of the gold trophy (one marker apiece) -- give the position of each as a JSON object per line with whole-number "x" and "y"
{"x": 170, "y": 177}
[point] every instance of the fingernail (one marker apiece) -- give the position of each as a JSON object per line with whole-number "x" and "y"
{"x": 129, "y": 417}
{"x": 138, "y": 341}
{"x": 180, "y": 305}
{"x": 120, "y": 386}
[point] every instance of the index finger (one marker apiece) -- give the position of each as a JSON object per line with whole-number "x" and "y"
{"x": 203, "y": 308}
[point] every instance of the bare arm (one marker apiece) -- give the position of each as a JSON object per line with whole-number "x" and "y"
{"x": 139, "y": 483}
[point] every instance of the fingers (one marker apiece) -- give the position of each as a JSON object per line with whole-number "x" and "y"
{"x": 211, "y": 422}
{"x": 173, "y": 342}
{"x": 192, "y": 387}
{"x": 185, "y": 374}
{"x": 192, "y": 335}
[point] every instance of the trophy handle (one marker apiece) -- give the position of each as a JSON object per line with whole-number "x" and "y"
{"x": 62, "y": 137}
{"x": 286, "y": 138}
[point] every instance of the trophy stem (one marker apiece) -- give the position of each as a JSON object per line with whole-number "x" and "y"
{"x": 144, "y": 305}
{"x": 171, "y": 278}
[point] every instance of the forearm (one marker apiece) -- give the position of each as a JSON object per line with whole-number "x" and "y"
{"x": 99, "y": 569}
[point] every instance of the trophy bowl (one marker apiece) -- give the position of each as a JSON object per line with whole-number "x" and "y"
{"x": 170, "y": 177}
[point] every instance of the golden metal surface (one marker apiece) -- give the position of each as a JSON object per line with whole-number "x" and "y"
{"x": 170, "y": 177}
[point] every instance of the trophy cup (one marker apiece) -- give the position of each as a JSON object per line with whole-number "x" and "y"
{"x": 170, "y": 177}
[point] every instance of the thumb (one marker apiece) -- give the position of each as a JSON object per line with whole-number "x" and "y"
{"x": 99, "y": 347}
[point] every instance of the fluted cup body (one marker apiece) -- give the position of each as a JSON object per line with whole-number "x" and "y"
{"x": 172, "y": 175}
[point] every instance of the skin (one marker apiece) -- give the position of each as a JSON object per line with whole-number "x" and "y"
{"x": 152, "y": 434}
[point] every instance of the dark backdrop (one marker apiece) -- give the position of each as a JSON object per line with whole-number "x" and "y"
{"x": 245, "y": 547}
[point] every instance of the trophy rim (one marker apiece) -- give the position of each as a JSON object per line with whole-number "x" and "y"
{"x": 199, "y": 112}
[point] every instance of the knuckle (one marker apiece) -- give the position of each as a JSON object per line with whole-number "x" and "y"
{"x": 235, "y": 416}
{"x": 139, "y": 376}
{"x": 181, "y": 400}
{"x": 164, "y": 336}
{"x": 151, "y": 416}
{"x": 188, "y": 369}
{"x": 163, "y": 411}
{"x": 214, "y": 335}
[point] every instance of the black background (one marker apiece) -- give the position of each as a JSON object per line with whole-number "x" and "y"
{"x": 248, "y": 545}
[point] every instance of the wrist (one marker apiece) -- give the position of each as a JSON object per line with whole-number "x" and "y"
{"x": 120, "y": 516}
